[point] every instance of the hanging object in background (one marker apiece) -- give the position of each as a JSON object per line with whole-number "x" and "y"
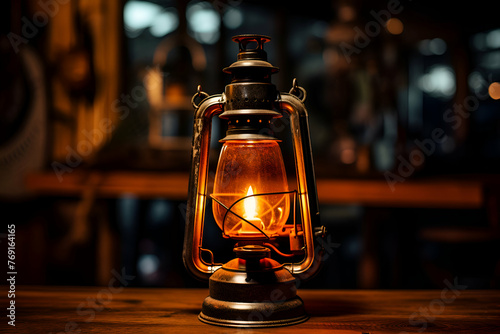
{"x": 155, "y": 128}
{"x": 251, "y": 199}
{"x": 177, "y": 60}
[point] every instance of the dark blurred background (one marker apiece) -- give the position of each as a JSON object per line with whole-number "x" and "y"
{"x": 96, "y": 123}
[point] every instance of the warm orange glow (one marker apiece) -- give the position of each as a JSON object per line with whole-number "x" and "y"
{"x": 250, "y": 168}
{"x": 394, "y": 26}
{"x": 348, "y": 156}
{"x": 249, "y": 205}
{"x": 250, "y": 214}
{"x": 494, "y": 90}
{"x": 347, "y": 13}
{"x": 175, "y": 94}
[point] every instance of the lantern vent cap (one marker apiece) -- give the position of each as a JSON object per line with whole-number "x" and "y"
{"x": 251, "y": 53}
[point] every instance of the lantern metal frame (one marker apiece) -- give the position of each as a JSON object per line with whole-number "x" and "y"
{"x": 212, "y": 106}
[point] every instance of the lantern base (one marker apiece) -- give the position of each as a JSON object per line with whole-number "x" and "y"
{"x": 253, "y": 291}
{"x": 253, "y": 315}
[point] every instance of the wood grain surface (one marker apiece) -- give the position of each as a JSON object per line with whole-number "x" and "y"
{"x": 142, "y": 310}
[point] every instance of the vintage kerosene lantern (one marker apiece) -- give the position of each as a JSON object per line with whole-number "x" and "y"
{"x": 251, "y": 202}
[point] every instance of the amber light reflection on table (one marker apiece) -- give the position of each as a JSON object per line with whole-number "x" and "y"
{"x": 141, "y": 310}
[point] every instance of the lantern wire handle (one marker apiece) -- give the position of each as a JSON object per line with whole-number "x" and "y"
{"x": 228, "y": 209}
{"x": 253, "y": 195}
{"x": 210, "y": 253}
{"x": 274, "y": 248}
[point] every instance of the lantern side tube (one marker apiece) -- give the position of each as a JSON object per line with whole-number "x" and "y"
{"x": 306, "y": 184}
{"x": 197, "y": 192}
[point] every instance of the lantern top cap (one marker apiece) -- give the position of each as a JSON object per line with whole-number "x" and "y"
{"x": 260, "y": 39}
{"x": 251, "y": 53}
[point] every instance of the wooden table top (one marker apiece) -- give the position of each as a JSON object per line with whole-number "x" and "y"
{"x": 140, "y": 310}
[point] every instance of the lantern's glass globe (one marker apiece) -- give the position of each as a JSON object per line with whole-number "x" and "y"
{"x": 249, "y": 168}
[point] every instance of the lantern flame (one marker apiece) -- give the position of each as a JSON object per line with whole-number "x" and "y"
{"x": 250, "y": 205}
